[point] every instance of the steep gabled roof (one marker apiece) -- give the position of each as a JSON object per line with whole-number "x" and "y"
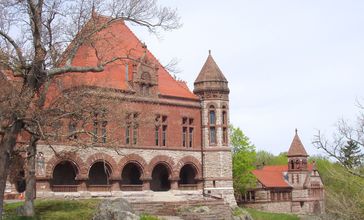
{"x": 210, "y": 72}
{"x": 117, "y": 40}
{"x": 297, "y": 148}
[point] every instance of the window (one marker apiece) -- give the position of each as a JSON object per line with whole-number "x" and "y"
{"x": 164, "y": 135}
{"x": 161, "y": 129}
{"x": 190, "y": 138}
{"x": 126, "y": 72}
{"x": 135, "y": 134}
{"x": 99, "y": 127}
{"x": 131, "y": 130}
{"x": 187, "y": 132}
{"x": 127, "y": 135}
{"x": 103, "y": 131}
{"x": 249, "y": 196}
{"x": 280, "y": 195}
{"x": 212, "y": 135}
{"x": 212, "y": 124}
{"x": 224, "y": 135}
{"x": 224, "y": 127}
{"x": 212, "y": 117}
{"x": 157, "y": 135}
{"x": 184, "y": 136}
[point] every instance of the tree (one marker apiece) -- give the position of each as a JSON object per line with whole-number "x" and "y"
{"x": 243, "y": 160}
{"x": 38, "y": 41}
{"x": 267, "y": 158}
{"x": 347, "y": 145}
{"x": 344, "y": 195}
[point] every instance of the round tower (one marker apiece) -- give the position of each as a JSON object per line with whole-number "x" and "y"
{"x": 212, "y": 88}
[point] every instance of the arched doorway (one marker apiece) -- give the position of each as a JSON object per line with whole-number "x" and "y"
{"x": 130, "y": 177}
{"x": 99, "y": 174}
{"x": 160, "y": 178}
{"x": 187, "y": 175}
{"x": 64, "y": 177}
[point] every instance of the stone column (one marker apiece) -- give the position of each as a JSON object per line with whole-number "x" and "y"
{"x": 174, "y": 183}
{"x": 146, "y": 182}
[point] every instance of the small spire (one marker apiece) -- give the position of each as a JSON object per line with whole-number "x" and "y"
{"x": 209, "y": 52}
{"x": 296, "y": 130}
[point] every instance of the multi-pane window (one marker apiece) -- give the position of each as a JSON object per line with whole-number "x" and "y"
{"x": 280, "y": 195}
{"x": 131, "y": 129}
{"x": 187, "y": 132}
{"x": 99, "y": 127}
{"x": 161, "y": 130}
{"x": 248, "y": 196}
{"x": 212, "y": 124}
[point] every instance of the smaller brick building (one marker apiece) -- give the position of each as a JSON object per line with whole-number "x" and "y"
{"x": 296, "y": 187}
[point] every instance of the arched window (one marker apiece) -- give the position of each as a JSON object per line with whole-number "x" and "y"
{"x": 292, "y": 165}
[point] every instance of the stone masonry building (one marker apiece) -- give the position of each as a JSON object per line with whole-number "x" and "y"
{"x": 296, "y": 187}
{"x": 183, "y": 149}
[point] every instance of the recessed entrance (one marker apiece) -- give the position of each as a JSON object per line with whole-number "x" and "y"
{"x": 65, "y": 173}
{"x": 131, "y": 175}
{"x": 160, "y": 178}
{"x": 99, "y": 174}
{"x": 187, "y": 175}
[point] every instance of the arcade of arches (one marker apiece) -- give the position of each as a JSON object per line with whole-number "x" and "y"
{"x": 69, "y": 175}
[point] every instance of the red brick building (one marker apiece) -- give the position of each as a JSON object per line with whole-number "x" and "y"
{"x": 296, "y": 187}
{"x": 172, "y": 139}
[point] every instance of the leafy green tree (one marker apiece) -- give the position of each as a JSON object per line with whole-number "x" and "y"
{"x": 266, "y": 158}
{"x": 244, "y": 157}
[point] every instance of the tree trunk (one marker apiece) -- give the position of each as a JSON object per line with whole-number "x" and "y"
{"x": 6, "y": 149}
{"x": 28, "y": 208}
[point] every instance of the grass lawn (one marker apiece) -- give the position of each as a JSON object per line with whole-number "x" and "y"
{"x": 56, "y": 210}
{"x": 260, "y": 215}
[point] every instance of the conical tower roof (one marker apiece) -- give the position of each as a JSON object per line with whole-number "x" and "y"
{"x": 211, "y": 77}
{"x": 297, "y": 149}
{"x": 210, "y": 72}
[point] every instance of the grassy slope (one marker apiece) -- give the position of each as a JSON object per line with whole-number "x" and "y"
{"x": 56, "y": 210}
{"x": 259, "y": 215}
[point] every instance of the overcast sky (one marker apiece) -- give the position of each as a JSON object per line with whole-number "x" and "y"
{"x": 290, "y": 63}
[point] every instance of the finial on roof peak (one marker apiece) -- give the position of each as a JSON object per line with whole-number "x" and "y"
{"x": 93, "y": 11}
{"x": 296, "y": 130}
{"x": 209, "y": 52}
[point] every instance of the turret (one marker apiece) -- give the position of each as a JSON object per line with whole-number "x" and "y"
{"x": 297, "y": 155}
{"x": 212, "y": 88}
